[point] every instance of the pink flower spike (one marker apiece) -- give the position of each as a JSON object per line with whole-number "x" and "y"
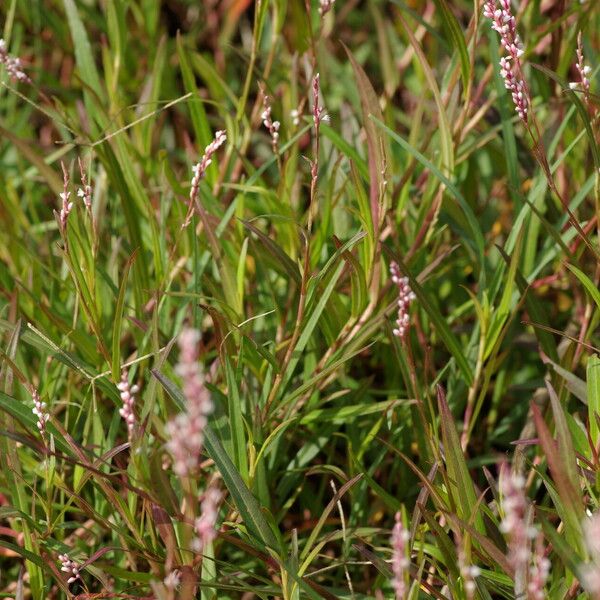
{"x": 69, "y": 566}
{"x": 405, "y": 298}
{"x": 538, "y": 572}
{"x": 400, "y": 561}
{"x": 127, "y": 394}
{"x": 504, "y": 23}
{"x": 13, "y": 64}
{"x": 204, "y": 525}
{"x": 515, "y": 524}
{"x": 199, "y": 171}
{"x": 272, "y": 126}
{"x": 186, "y": 431}
{"x": 40, "y": 411}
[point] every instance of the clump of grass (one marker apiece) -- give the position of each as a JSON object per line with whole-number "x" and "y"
{"x": 312, "y": 357}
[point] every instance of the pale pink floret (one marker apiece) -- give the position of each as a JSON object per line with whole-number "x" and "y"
{"x": 186, "y": 430}
{"x": 325, "y": 6}
{"x": 204, "y": 526}
{"x": 199, "y": 171}
{"x": 127, "y": 393}
{"x": 405, "y": 297}
{"x": 400, "y": 561}
{"x": 70, "y": 567}
{"x": 13, "y": 64}
{"x": 172, "y": 580}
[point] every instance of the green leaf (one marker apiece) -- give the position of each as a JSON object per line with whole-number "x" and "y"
{"x": 593, "y": 397}
{"x": 247, "y": 505}
{"x": 236, "y": 422}
{"x": 118, "y": 320}
{"x": 439, "y": 323}
{"x": 378, "y": 159}
{"x": 467, "y": 210}
{"x": 461, "y": 483}
{"x": 455, "y": 34}
{"x": 587, "y": 283}
{"x": 83, "y": 50}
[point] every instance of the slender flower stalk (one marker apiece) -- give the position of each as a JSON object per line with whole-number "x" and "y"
{"x": 400, "y": 561}
{"x": 319, "y": 113}
{"x": 127, "y": 393}
{"x": 272, "y": 126}
{"x": 504, "y": 23}
{"x": 319, "y": 116}
{"x": 186, "y": 430}
{"x": 39, "y": 410}
{"x": 85, "y": 191}
{"x": 70, "y": 567}
{"x": 13, "y": 64}
{"x": 204, "y": 525}
{"x": 199, "y": 171}
{"x": 405, "y": 298}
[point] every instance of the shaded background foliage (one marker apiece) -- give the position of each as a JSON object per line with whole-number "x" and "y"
{"x": 423, "y": 161}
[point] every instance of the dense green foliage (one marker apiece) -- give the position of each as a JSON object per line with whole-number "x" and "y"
{"x": 325, "y": 424}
